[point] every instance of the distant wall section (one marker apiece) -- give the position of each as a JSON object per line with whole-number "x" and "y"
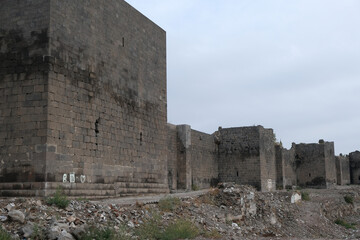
{"x": 315, "y": 164}
{"x": 354, "y": 158}
{"x": 247, "y": 156}
{"x": 204, "y": 162}
{"x": 342, "y": 170}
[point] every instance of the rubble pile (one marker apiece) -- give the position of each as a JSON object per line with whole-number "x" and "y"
{"x": 231, "y": 211}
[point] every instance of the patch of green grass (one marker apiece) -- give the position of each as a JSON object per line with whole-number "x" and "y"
{"x": 169, "y": 204}
{"x": 305, "y": 196}
{"x": 153, "y": 229}
{"x": 82, "y": 199}
{"x": 349, "y": 199}
{"x": 107, "y": 233}
{"x": 195, "y": 187}
{"x": 181, "y": 229}
{"x": 38, "y": 233}
{"x": 4, "y": 235}
{"x": 150, "y": 229}
{"x": 59, "y": 199}
{"x": 213, "y": 234}
{"x": 345, "y": 224}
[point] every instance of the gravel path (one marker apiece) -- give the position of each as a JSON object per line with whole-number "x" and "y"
{"x": 149, "y": 199}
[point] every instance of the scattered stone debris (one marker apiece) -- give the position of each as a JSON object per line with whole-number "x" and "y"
{"x": 229, "y": 212}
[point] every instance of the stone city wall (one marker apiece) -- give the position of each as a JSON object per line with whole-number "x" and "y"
{"x": 289, "y": 167}
{"x": 315, "y": 164}
{"x": 24, "y": 41}
{"x": 100, "y": 96}
{"x": 267, "y": 159}
{"x": 342, "y": 169}
{"x": 354, "y": 159}
{"x": 83, "y": 105}
{"x": 247, "y": 156}
{"x": 204, "y": 160}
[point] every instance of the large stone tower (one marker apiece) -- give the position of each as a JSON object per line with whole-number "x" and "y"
{"x": 82, "y": 98}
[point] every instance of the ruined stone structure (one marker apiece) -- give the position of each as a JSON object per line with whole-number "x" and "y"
{"x": 285, "y": 166}
{"x": 354, "y": 159}
{"x": 83, "y": 105}
{"x": 315, "y": 164}
{"x": 247, "y": 156}
{"x": 192, "y": 158}
{"x": 342, "y": 170}
{"x": 244, "y": 155}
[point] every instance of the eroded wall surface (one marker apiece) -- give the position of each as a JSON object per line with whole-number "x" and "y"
{"x": 24, "y": 42}
{"x": 247, "y": 156}
{"x": 315, "y": 164}
{"x": 342, "y": 170}
{"x": 172, "y": 153}
{"x": 354, "y": 158}
{"x": 330, "y": 165}
{"x": 279, "y": 166}
{"x": 267, "y": 159}
{"x": 289, "y": 167}
{"x": 204, "y": 162}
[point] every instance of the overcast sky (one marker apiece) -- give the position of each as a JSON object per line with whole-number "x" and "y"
{"x": 293, "y": 66}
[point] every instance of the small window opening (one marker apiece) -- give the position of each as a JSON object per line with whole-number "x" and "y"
{"x": 97, "y": 127}
{"x": 123, "y": 42}
{"x": 141, "y": 138}
{"x": 237, "y": 173}
{"x": 359, "y": 178}
{"x": 309, "y": 174}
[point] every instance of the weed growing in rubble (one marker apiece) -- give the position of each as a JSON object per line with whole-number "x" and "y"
{"x": 305, "y": 196}
{"x": 349, "y": 199}
{"x": 150, "y": 229}
{"x": 213, "y": 234}
{"x": 107, "y": 233}
{"x": 195, "y": 187}
{"x": 345, "y": 224}
{"x": 169, "y": 204}
{"x": 181, "y": 229}
{"x": 4, "y": 235}
{"x": 153, "y": 229}
{"x": 59, "y": 199}
{"x": 38, "y": 233}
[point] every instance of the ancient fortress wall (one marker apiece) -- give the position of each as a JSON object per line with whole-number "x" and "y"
{"x": 315, "y": 164}
{"x": 204, "y": 160}
{"x": 330, "y": 165}
{"x": 289, "y": 166}
{"x": 342, "y": 169}
{"x": 23, "y": 93}
{"x": 88, "y": 85}
{"x": 83, "y": 105}
{"x": 247, "y": 156}
{"x": 354, "y": 158}
{"x": 267, "y": 159}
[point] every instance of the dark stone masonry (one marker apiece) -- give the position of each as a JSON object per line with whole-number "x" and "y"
{"x": 83, "y": 105}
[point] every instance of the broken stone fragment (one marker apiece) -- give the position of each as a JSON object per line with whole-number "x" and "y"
{"x": 295, "y": 197}
{"x": 80, "y": 231}
{"x": 131, "y": 224}
{"x": 235, "y": 226}
{"x": 65, "y": 236}
{"x": 71, "y": 219}
{"x": 28, "y": 230}
{"x": 54, "y": 232}
{"x": 17, "y": 216}
{"x": 10, "y": 206}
